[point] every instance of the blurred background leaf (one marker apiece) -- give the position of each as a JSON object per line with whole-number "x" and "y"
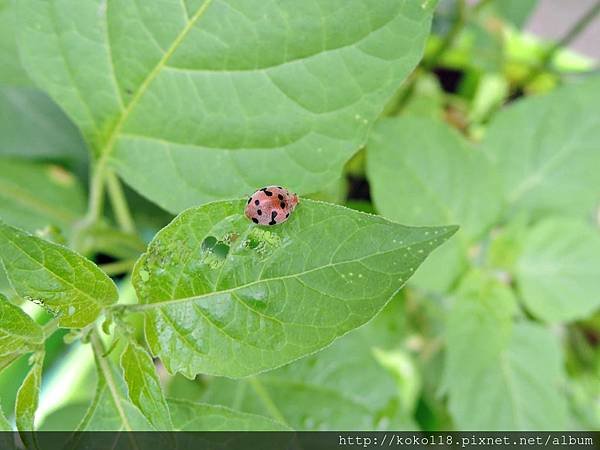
{"x": 37, "y": 196}
{"x": 33, "y": 127}
{"x": 558, "y": 273}
{"x": 509, "y": 373}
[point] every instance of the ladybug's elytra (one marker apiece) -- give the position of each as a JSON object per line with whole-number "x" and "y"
{"x": 270, "y": 205}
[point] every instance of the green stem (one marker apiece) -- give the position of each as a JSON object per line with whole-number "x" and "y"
{"x": 118, "y": 267}
{"x": 571, "y": 34}
{"x": 266, "y": 400}
{"x": 96, "y": 200}
{"x": 450, "y": 38}
{"x": 447, "y": 43}
{"x": 49, "y": 328}
{"x": 119, "y": 203}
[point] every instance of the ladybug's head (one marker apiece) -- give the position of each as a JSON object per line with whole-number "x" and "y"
{"x": 294, "y": 200}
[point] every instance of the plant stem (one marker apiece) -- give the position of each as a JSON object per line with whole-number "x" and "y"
{"x": 118, "y": 267}
{"x": 448, "y": 42}
{"x": 266, "y": 399}
{"x": 119, "y": 203}
{"x": 49, "y": 328}
{"x": 96, "y": 200}
{"x": 450, "y": 38}
{"x": 571, "y": 34}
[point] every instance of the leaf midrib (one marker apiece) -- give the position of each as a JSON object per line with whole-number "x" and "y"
{"x": 143, "y": 87}
{"x": 163, "y": 303}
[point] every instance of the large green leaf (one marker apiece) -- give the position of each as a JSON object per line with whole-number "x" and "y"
{"x": 143, "y": 386}
{"x": 33, "y": 127}
{"x": 18, "y": 332}
{"x": 33, "y": 196}
{"x": 558, "y": 271}
{"x": 190, "y": 416}
{"x": 423, "y": 172}
{"x": 222, "y": 296}
{"x": 343, "y": 387}
{"x": 214, "y": 98}
{"x": 500, "y": 375}
{"x": 546, "y": 151}
{"x": 12, "y": 72}
{"x": 64, "y": 282}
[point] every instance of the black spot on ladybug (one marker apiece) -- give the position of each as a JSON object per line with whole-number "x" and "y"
{"x": 279, "y": 187}
{"x": 282, "y": 204}
{"x": 255, "y": 220}
{"x": 280, "y": 197}
{"x": 268, "y": 193}
{"x": 287, "y": 215}
{"x": 273, "y": 215}
{"x": 249, "y": 200}
{"x": 259, "y": 212}
{"x": 256, "y": 202}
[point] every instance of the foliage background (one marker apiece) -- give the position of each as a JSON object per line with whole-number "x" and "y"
{"x": 494, "y": 130}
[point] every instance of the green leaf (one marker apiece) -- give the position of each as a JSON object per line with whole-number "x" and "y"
{"x": 190, "y": 416}
{"x": 27, "y": 401}
{"x": 111, "y": 409}
{"x": 178, "y": 95}
{"x": 510, "y": 375}
{"x": 12, "y": 72}
{"x": 342, "y": 387}
{"x": 64, "y": 282}
{"x": 558, "y": 271}
{"x": 32, "y": 126}
{"x": 235, "y": 299}
{"x": 545, "y": 149}
{"x": 144, "y": 387}
{"x": 432, "y": 177}
{"x": 64, "y": 418}
{"x": 18, "y": 332}
{"x": 34, "y": 196}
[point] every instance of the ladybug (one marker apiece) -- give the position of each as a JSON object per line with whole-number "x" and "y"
{"x": 270, "y": 205}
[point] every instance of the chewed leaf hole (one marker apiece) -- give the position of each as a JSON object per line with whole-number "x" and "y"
{"x": 214, "y": 252}
{"x": 41, "y": 303}
{"x": 221, "y": 250}
{"x": 209, "y": 243}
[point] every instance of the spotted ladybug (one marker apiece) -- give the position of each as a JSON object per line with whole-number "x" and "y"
{"x": 270, "y": 205}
